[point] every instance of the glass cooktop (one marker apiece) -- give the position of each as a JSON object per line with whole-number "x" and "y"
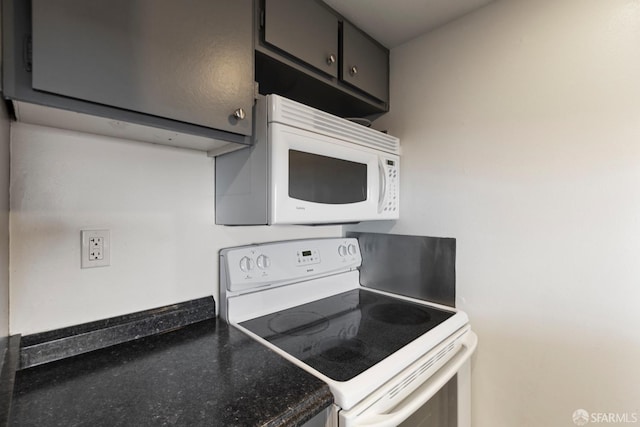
{"x": 343, "y": 335}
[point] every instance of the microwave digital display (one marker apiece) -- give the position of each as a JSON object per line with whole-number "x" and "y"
{"x": 306, "y": 253}
{"x": 390, "y": 162}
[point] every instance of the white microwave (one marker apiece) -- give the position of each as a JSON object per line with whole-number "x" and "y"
{"x": 306, "y": 166}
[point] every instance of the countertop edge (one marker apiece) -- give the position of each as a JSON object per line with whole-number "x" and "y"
{"x": 8, "y": 376}
{"x": 297, "y": 415}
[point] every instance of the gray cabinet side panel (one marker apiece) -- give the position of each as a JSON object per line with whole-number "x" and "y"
{"x": 371, "y": 60}
{"x": 5, "y": 165}
{"x": 304, "y": 29}
{"x": 242, "y": 178}
{"x": 190, "y": 61}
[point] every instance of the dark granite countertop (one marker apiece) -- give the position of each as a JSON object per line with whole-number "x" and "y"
{"x": 207, "y": 373}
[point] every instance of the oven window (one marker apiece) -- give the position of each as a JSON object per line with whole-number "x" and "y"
{"x": 327, "y": 180}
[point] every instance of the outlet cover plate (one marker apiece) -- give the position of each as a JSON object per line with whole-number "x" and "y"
{"x": 96, "y": 248}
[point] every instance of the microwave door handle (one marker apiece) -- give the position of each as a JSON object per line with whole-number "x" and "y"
{"x": 382, "y": 181}
{"x": 426, "y": 391}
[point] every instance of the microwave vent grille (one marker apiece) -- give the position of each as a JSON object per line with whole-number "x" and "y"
{"x": 304, "y": 117}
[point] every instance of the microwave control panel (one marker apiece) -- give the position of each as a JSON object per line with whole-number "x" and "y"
{"x": 389, "y": 206}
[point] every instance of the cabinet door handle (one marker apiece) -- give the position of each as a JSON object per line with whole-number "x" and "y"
{"x": 239, "y": 114}
{"x": 331, "y": 59}
{"x": 353, "y": 70}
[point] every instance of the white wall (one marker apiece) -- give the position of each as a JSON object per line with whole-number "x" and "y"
{"x": 520, "y": 128}
{"x": 158, "y": 203}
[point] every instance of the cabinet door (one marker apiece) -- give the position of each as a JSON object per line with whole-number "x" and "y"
{"x": 365, "y": 64}
{"x": 304, "y": 29}
{"x": 190, "y": 61}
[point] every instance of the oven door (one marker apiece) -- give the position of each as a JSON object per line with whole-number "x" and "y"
{"x": 319, "y": 179}
{"x": 434, "y": 391}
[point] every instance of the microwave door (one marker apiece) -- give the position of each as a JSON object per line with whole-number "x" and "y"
{"x": 317, "y": 179}
{"x": 327, "y": 180}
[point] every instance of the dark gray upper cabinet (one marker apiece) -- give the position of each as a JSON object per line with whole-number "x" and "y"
{"x": 305, "y": 30}
{"x": 308, "y": 52}
{"x": 177, "y": 73}
{"x": 363, "y": 64}
{"x": 190, "y": 61}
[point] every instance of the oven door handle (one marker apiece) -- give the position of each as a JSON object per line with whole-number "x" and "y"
{"x": 426, "y": 391}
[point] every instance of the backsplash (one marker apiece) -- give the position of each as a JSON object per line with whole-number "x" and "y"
{"x": 38, "y": 349}
{"x": 414, "y": 266}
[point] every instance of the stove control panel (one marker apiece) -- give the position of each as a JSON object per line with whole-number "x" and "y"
{"x": 270, "y": 264}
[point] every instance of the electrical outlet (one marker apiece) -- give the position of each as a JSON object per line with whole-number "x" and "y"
{"x": 96, "y": 247}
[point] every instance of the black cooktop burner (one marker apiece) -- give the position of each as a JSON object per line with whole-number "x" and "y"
{"x": 298, "y": 323}
{"x": 342, "y": 350}
{"x": 346, "y": 334}
{"x": 400, "y": 314}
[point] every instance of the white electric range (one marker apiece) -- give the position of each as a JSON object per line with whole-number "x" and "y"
{"x": 384, "y": 356}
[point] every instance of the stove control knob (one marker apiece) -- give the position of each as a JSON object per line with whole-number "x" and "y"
{"x": 263, "y": 262}
{"x": 246, "y": 264}
{"x": 342, "y": 250}
{"x": 352, "y": 249}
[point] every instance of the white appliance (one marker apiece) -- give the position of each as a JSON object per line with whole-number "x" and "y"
{"x": 306, "y": 166}
{"x": 384, "y": 356}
